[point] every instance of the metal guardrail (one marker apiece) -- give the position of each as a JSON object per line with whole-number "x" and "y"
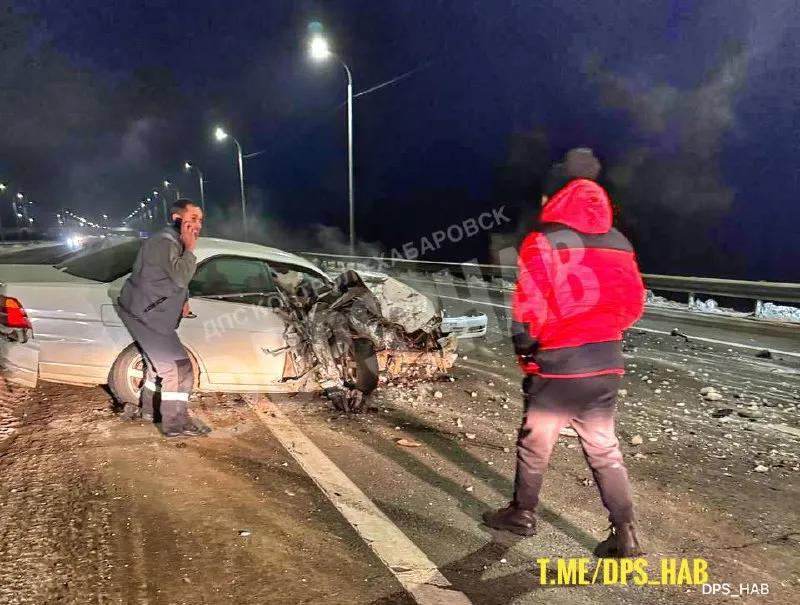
{"x": 733, "y": 288}
{"x": 20, "y": 243}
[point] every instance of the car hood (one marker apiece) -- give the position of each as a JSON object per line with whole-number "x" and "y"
{"x": 400, "y": 304}
{"x": 34, "y": 274}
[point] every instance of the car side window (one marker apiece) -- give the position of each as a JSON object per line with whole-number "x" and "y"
{"x": 233, "y": 278}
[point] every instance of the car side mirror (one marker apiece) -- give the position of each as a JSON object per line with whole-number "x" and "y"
{"x": 273, "y": 301}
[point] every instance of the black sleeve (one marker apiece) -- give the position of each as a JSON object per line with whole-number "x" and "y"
{"x": 524, "y": 343}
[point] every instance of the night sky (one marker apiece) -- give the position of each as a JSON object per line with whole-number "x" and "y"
{"x": 691, "y": 106}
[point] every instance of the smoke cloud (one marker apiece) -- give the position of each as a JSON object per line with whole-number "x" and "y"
{"x": 677, "y": 165}
{"x": 225, "y": 220}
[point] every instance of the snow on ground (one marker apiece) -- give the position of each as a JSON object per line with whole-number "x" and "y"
{"x": 779, "y": 312}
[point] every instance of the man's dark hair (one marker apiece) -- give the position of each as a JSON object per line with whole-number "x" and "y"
{"x": 578, "y": 163}
{"x": 180, "y": 205}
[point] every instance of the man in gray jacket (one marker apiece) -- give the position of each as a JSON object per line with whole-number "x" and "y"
{"x": 152, "y": 302}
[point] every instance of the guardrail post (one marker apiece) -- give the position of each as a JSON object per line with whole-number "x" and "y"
{"x": 691, "y": 300}
{"x": 759, "y": 308}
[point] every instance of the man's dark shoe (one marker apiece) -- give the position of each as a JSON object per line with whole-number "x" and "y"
{"x": 130, "y": 412}
{"x": 621, "y": 543}
{"x": 190, "y": 429}
{"x": 516, "y": 520}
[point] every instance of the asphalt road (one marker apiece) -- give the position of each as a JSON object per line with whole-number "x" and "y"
{"x": 288, "y": 501}
{"x": 93, "y": 506}
{"x": 50, "y": 253}
{"x": 40, "y": 254}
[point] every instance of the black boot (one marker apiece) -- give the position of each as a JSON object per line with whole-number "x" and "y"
{"x": 190, "y": 428}
{"x": 516, "y": 520}
{"x": 621, "y": 543}
{"x": 131, "y": 411}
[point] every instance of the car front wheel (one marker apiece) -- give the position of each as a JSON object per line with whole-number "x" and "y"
{"x": 127, "y": 375}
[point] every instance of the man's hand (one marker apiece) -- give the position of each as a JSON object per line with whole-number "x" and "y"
{"x": 187, "y": 310}
{"x": 188, "y": 235}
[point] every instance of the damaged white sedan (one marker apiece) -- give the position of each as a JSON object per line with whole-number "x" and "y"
{"x": 265, "y": 321}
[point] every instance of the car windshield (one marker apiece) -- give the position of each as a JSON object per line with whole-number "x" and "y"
{"x": 104, "y": 265}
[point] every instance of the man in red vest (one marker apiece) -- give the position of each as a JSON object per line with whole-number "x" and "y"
{"x": 578, "y": 289}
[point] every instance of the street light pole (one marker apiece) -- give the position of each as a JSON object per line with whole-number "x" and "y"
{"x": 3, "y": 187}
{"x": 221, "y": 135}
{"x": 17, "y": 213}
{"x": 320, "y": 51}
{"x": 351, "y": 192}
{"x": 163, "y": 205}
{"x": 163, "y": 199}
{"x": 241, "y": 188}
{"x": 189, "y": 166}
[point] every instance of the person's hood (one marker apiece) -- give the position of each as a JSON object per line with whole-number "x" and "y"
{"x": 582, "y": 205}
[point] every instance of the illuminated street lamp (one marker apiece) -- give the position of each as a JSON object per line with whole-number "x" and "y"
{"x": 19, "y": 215}
{"x": 167, "y": 185}
{"x": 320, "y": 51}
{"x": 221, "y": 135}
{"x": 189, "y": 167}
{"x": 26, "y": 208}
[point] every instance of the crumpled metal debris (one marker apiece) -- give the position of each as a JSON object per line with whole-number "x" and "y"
{"x": 329, "y": 321}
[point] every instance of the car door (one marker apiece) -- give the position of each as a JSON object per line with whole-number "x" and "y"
{"x": 237, "y": 336}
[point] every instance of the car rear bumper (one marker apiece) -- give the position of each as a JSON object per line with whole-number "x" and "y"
{"x": 468, "y": 326}
{"x": 19, "y": 362}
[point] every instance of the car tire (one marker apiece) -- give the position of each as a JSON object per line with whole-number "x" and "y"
{"x": 127, "y": 375}
{"x": 365, "y": 363}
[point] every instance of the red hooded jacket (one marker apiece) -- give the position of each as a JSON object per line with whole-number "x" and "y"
{"x": 578, "y": 288}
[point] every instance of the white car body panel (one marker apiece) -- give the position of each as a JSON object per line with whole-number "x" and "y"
{"x": 19, "y": 362}
{"x": 77, "y": 333}
{"x": 232, "y": 332}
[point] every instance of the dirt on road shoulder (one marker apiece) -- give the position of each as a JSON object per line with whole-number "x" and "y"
{"x": 96, "y": 510}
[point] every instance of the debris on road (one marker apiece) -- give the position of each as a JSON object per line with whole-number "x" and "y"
{"x": 637, "y": 440}
{"x": 711, "y": 394}
{"x": 722, "y": 413}
{"x": 678, "y": 333}
{"x": 567, "y": 432}
{"x": 750, "y": 413}
{"x": 408, "y": 442}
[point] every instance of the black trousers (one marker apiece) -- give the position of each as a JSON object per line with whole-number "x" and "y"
{"x": 168, "y": 373}
{"x": 588, "y": 405}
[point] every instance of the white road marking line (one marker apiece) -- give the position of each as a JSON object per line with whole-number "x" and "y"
{"x": 412, "y": 568}
{"x": 719, "y": 342}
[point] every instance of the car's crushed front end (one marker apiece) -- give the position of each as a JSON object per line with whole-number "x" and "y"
{"x": 360, "y": 325}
